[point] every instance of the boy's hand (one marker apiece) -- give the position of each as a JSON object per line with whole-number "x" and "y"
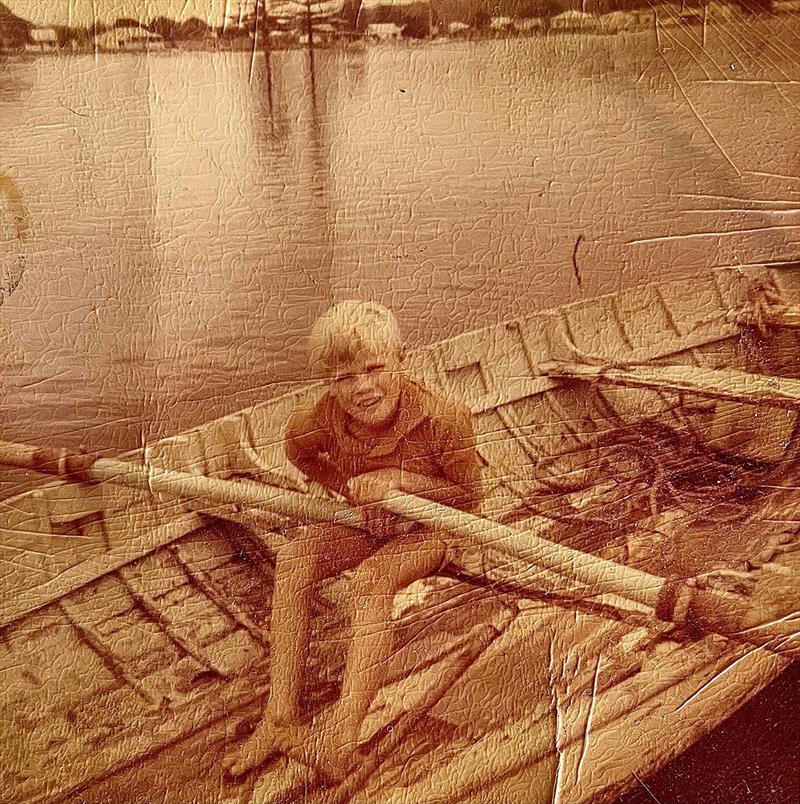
{"x": 373, "y": 487}
{"x": 368, "y": 491}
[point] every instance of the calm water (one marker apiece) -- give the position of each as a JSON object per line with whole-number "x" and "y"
{"x": 190, "y": 214}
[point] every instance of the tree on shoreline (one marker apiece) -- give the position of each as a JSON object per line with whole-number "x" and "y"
{"x": 259, "y": 21}
{"x": 191, "y": 30}
{"x": 14, "y": 30}
{"x": 163, "y": 26}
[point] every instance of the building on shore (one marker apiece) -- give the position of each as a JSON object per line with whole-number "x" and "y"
{"x": 384, "y": 31}
{"x": 573, "y": 20}
{"x": 617, "y": 21}
{"x": 324, "y": 33}
{"x": 501, "y": 25}
{"x": 129, "y": 38}
{"x": 530, "y": 25}
{"x": 42, "y": 40}
{"x": 459, "y": 30}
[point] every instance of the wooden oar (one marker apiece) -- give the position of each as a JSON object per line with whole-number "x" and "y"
{"x": 516, "y": 558}
{"x": 87, "y": 469}
{"x": 505, "y": 544}
{"x": 513, "y": 558}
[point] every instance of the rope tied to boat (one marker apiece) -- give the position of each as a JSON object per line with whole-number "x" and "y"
{"x": 762, "y": 302}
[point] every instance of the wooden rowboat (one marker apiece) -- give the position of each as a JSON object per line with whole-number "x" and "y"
{"x": 656, "y": 429}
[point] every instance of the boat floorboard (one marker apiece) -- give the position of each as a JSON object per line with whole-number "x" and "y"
{"x": 132, "y": 665}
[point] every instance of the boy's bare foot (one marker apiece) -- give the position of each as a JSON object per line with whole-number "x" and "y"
{"x": 270, "y": 737}
{"x": 333, "y": 766}
{"x": 333, "y": 754}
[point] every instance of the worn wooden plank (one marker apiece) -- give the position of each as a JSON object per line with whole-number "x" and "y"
{"x": 123, "y": 747}
{"x": 116, "y": 665}
{"x": 184, "y": 615}
{"x": 504, "y": 455}
{"x": 595, "y": 330}
{"x": 261, "y": 447}
{"x": 206, "y": 581}
{"x": 698, "y": 310}
{"x": 48, "y": 532}
{"x": 738, "y": 386}
{"x": 487, "y": 368}
{"x": 699, "y": 698}
{"x": 559, "y": 422}
{"x": 232, "y": 653}
{"x": 647, "y": 320}
{"x": 545, "y": 338}
{"x": 48, "y": 668}
{"x": 117, "y": 644}
{"x": 185, "y": 452}
{"x": 53, "y": 583}
{"x": 128, "y": 640}
{"x": 508, "y": 760}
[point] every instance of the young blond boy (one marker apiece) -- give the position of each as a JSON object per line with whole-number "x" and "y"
{"x": 373, "y": 430}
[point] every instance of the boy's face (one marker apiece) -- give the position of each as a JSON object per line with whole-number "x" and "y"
{"x": 367, "y": 387}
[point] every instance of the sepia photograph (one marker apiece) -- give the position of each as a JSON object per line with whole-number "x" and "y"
{"x": 399, "y": 401}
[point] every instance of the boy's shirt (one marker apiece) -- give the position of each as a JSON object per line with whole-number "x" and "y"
{"x": 429, "y": 436}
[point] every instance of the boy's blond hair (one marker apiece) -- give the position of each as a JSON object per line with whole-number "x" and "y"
{"x": 348, "y": 327}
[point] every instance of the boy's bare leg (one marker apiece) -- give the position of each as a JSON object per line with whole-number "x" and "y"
{"x": 289, "y": 626}
{"x": 379, "y": 579}
{"x": 315, "y": 554}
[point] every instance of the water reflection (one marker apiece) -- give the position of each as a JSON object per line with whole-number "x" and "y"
{"x": 13, "y": 83}
{"x": 82, "y": 316}
{"x": 257, "y": 218}
{"x": 191, "y": 213}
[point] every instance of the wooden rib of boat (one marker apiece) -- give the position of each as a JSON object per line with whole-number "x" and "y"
{"x": 656, "y": 427}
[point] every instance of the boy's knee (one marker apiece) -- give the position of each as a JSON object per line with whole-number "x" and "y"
{"x": 383, "y": 576}
{"x": 372, "y": 583}
{"x": 304, "y": 550}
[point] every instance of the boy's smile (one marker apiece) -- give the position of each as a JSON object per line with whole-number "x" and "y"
{"x": 367, "y": 387}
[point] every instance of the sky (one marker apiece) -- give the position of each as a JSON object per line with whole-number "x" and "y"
{"x": 84, "y": 12}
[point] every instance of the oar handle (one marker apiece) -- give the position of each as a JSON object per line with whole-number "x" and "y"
{"x": 521, "y": 549}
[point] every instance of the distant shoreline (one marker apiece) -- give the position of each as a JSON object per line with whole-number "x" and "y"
{"x": 548, "y": 28}
{"x": 361, "y": 42}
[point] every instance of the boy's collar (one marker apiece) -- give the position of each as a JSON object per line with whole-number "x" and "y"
{"x": 410, "y": 411}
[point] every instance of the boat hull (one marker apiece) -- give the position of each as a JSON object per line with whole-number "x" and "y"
{"x": 126, "y": 614}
